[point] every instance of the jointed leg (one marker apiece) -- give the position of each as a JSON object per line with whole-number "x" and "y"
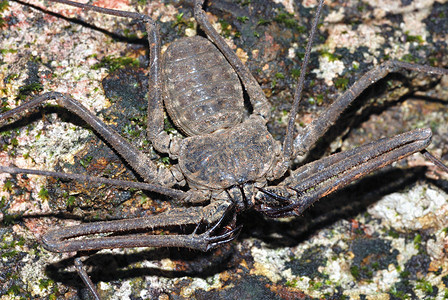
{"x": 258, "y": 99}
{"x": 85, "y": 278}
{"x": 136, "y": 159}
{"x": 140, "y": 163}
{"x": 288, "y": 147}
{"x": 172, "y": 193}
{"x": 319, "y": 126}
{"x": 215, "y": 213}
{"x": 313, "y": 181}
{"x": 162, "y": 142}
{"x": 68, "y": 239}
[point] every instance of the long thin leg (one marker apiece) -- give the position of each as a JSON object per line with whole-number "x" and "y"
{"x": 172, "y": 193}
{"x": 162, "y": 142}
{"x": 85, "y": 278}
{"x": 317, "y": 128}
{"x": 288, "y": 142}
{"x": 76, "y": 238}
{"x": 322, "y": 177}
{"x": 435, "y": 161}
{"x": 258, "y": 99}
{"x": 136, "y": 159}
{"x": 204, "y": 241}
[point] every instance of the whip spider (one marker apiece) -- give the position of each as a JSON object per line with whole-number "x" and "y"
{"x": 253, "y": 172}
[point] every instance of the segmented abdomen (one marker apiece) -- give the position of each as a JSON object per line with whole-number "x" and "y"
{"x": 202, "y": 92}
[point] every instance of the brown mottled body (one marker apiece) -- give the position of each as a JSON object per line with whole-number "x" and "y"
{"x": 227, "y": 159}
{"x": 202, "y": 93}
{"x": 243, "y": 154}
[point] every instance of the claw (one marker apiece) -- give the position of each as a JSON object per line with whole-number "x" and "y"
{"x": 221, "y": 220}
{"x": 224, "y": 235}
{"x": 280, "y": 211}
{"x": 216, "y": 225}
{"x": 212, "y": 242}
{"x": 274, "y": 195}
{"x": 224, "y": 238}
{"x": 298, "y": 192}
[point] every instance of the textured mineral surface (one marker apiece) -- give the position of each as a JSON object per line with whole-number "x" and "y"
{"x": 383, "y": 237}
